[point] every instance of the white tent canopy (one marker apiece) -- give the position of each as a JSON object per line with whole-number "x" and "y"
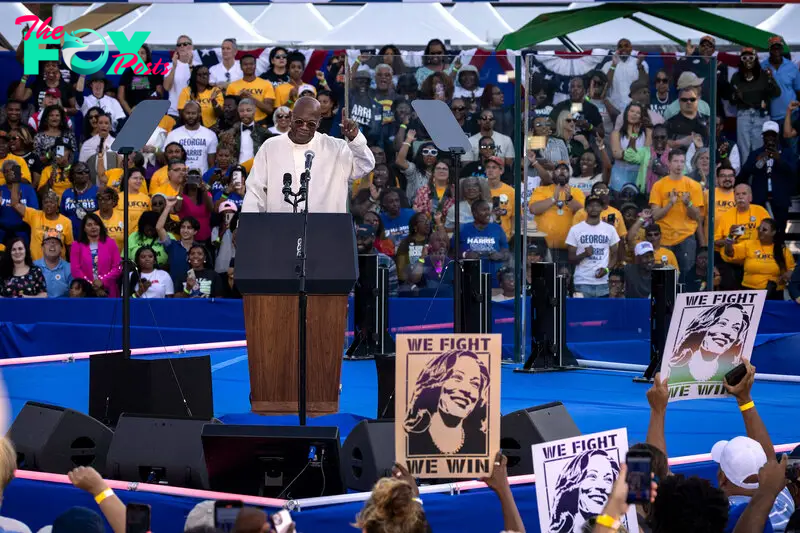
{"x": 8, "y": 28}
{"x": 336, "y": 13}
{"x": 408, "y": 27}
{"x": 482, "y": 19}
{"x": 785, "y": 22}
{"x": 291, "y": 23}
{"x": 206, "y": 23}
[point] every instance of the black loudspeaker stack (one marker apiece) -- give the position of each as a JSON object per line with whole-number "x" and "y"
{"x": 54, "y": 439}
{"x": 521, "y": 429}
{"x": 368, "y": 454}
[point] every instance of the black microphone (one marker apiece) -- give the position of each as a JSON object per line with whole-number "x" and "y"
{"x": 287, "y": 184}
{"x": 309, "y": 159}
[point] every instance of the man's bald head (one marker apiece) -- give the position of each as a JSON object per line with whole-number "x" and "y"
{"x": 307, "y": 104}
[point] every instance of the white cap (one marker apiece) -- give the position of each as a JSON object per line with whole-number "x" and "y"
{"x": 201, "y": 515}
{"x": 643, "y": 247}
{"x": 770, "y": 125}
{"x": 739, "y": 458}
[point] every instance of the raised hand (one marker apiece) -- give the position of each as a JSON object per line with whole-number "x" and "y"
{"x": 498, "y": 480}
{"x": 690, "y": 48}
{"x": 411, "y": 136}
{"x": 658, "y": 395}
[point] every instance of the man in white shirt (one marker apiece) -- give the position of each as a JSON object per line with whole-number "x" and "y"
{"x": 504, "y": 146}
{"x": 622, "y": 71}
{"x": 222, "y": 74}
{"x": 199, "y": 142}
{"x": 248, "y": 135}
{"x": 98, "y": 98}
{"x": 337, "y": 162}
{"x": 592, "y": 247}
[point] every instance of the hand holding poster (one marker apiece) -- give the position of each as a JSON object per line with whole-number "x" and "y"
{"x": 574, "y": 477}
{"x": 710, "y": 333}
{"x": 447, "y": 408}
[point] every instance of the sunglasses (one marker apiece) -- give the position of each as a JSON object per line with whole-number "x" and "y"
{"x": 184, "y": 44}
{"x": 659, "y": 137}
{"x": 310, "y": 124}
{"x": 569, "y": 120}
{"x": 487, "y": 147}
{"x": 281, "y": 117}
{"x": 662, "y": 80}
{"x": 458, "y": 108}
{"x": 14, "y": 138}
{"x": 430, "y": 151}
{"x": 491, "y": 119}
{"x": 688, "y": 100}
{"x": 280, "y": 56}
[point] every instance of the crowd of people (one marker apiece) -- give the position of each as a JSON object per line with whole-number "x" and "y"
{"x": 617, "y": 172}
{"x": 755, "y": 491}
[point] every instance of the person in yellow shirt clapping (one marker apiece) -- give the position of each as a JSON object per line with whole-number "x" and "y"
{"x": 767, "y": 263}
{"x": 205, "y": 94}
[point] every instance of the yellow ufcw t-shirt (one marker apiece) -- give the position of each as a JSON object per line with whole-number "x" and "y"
{"x": 114, "y": 227}
{"x": 61, "y": 181}
{"x": 506, "y": 195}
{"x": 206, "y": 104}
{"x": 40, "y": 225}
{"x": 759, "y": 263}
{"x": 259, "y": 88}
{"x": 115, "y": 180}
{"x": 676, "y": 225}
{"x": 665, "y": 257}
{"x": 555, "y": 225}
{"x": 159, "y": 178}
{"x": 167, "y": 190}
{"x": 137, "y": 204}
{"x": 750, "y": 219}
{"x": 23, "y": 165}
{"x": 724, "y": 201}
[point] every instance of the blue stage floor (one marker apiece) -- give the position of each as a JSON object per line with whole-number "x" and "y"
{"x": 596, "y": 399}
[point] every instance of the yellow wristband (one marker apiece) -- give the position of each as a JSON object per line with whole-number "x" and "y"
{"x": 747, "y": 406}
{"x": 100, "y": 498}
{"x": 607, "y": 521}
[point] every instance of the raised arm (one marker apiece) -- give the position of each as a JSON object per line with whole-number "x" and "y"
{"x": 86, "y": 478}
{"x": 498, "y": 482}
{"x": 363, "y": 160}
{"x": 753, "y": 424}
{"x": 163, "y": 237}
{"x": 658, "y": 398}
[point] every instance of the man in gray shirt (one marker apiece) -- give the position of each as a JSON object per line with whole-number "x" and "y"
{"x": 638, "y": 275}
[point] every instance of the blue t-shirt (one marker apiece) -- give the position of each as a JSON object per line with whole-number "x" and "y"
{"x": 788, "y": 78}
{"x": 490, "y": 239}
{"x": 396, "y": 228}
{"x": 87, "y": 200}
{"x": 178, "y": 261}
{"x": 216, "y": 194}
{"x": 9, "y": 218}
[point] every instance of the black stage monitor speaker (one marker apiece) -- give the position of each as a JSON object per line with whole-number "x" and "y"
{"x": 273, "y": 461}
{"x": 49, "y": 438}
{"x": 522, "y": 429}
{"x": 165, "y": 451}
{"x": 368, "y": 454}
{"x": 385, "y": 367}
{"x": 177, "y": 387}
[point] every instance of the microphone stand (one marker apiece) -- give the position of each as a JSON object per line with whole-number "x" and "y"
{"x": 301, "y": 196}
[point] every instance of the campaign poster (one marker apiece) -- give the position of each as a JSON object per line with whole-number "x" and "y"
{"x": 574, "y": 477}
{"x": 447, "y": 405}
{"x": 710, "y": 333}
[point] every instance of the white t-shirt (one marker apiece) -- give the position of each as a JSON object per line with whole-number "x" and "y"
{"x": 625, "y": 73}
{"x": 199, "y": 144}
{"x": 585, "y": 184}
{"x": 218, "y": 71}
{"x": 601, "y": 237}
{"x": 111, "y": 106}
{"x": 180, "y": 81}
{"x": 160, "y": 284}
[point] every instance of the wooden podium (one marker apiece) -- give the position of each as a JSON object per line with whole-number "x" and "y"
{"x": 266, "y": 274}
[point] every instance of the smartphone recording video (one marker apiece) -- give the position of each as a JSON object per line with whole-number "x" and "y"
{"x": 225, "y": 513}
{"x": 137, "y": 518}
{"x": 639, "y": 476}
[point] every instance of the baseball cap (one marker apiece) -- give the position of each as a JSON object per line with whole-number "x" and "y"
{"x": 708, "y": 38}
{"x": 306, "y": 87}
{"x": 747, "y": 50}
{"x": 593, "y": 198}
{"x": 53, "y": 91}
{"x": 739, "y": 458}
{"x": 361, "y": 74}
{"x": 642, "y": 248}
{"x": 496, "y": 160}
{"x": 194, "y": 177}
{"x": 51, "y": 234}
{"x": 775, "y": 39}
{"x": 638, "y": 86}
{"x": 563, "y": 163}
{"x": 689, "y": 79}
{"x": 365, "y": 230}
{"x": 227, "y": 205}
{"x": 770, "y": 125}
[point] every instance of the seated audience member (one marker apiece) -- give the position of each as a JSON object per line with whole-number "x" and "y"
{"x": 676, "y": 202}
{"x": 413, "y": 248}
{"x": 79, "y": 199}
{"x": 365, "y": 240}
{"x": 741, "y": 458}
{"x": 592, "y": 248}
{"x": 437, "y": 267}
{"x": 395, "y": 217}
{"x": 768, "y": 264}
{"x": 505, "y": 278}
{"x": 771, "y": 172}
{"x": 56, "y": 270}
{"x": 616, "y": 283}
{"x": 200, "y": 281}
{"x": 472, "y": 190}
{"x": 19, "y": 277}
{"x": 554, "y": 206}
{"x": 638, "y": 274}
{"x": 95, "y": 257}
{"x": 484, "y": 240}
{"x": 148, "y": 281}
